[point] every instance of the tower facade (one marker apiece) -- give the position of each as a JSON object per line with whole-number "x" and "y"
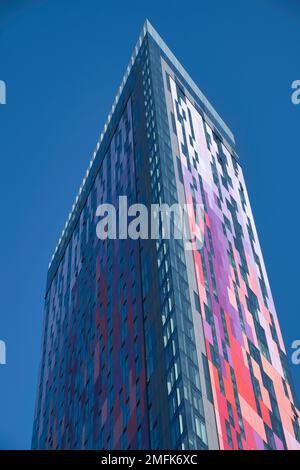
{"x": 147, "y": 344}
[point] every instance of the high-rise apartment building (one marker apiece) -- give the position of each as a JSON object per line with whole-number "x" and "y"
{"x": 148, "y": 345}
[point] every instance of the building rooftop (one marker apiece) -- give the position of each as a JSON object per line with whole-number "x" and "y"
{"x": 147, "y": 28}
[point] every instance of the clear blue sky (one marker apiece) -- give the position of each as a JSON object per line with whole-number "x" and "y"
{"x": 62, "y": 61}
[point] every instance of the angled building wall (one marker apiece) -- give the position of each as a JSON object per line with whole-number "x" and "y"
{"x": 147, "y": 344}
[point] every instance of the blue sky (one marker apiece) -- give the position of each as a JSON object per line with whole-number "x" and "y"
{"x": 62, "y": 62}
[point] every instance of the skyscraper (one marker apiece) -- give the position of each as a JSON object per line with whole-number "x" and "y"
{"x": 148, "y": 345}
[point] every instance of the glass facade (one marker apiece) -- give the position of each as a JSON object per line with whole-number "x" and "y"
{"x": 147, "y": 345}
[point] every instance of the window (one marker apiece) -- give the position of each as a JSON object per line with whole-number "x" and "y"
{"x": 197, "y": 302}
{"x": 229, "y": 435}
{"x": 200, "y": 429}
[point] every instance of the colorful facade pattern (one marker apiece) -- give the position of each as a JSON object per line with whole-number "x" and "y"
{"x": 145, "y": 345}
{"x": 92, "y": 378}
{"x": 252, "y": 396}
